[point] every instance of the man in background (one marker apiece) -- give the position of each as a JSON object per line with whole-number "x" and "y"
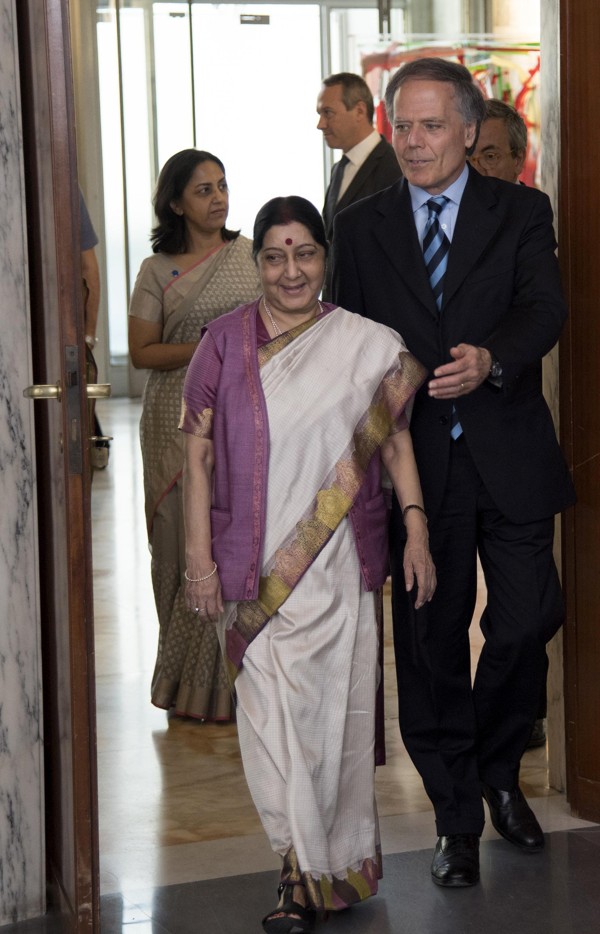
{"x": 368, "y": 164}
{"x": 502, "y": 143}
{"x": 90, "y": 273}
{"x": 90, "y": 279}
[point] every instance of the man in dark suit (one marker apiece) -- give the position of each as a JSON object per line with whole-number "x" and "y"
{"x": 345, "y": 108}
{"x": 479, "y": 308}
{"x": 500, "y": 153}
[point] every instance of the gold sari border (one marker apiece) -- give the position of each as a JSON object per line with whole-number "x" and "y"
{"x": 335, "y": 893}
{"x": 331, "y": 503}
{"x": 267, "y": 351}
{"x": 198, "y": 424}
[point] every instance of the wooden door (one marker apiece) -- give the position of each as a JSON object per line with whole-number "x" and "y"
{"x": 579, "y": 253}
{"x": 62, "y": 461}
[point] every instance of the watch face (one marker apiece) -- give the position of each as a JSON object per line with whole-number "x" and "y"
{"x": 496, "y": 369}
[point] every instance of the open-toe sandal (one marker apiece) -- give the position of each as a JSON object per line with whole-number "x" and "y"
{"x": 289, "y": 917}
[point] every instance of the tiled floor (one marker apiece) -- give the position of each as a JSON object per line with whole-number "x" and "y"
{"x": 182, "y": 851}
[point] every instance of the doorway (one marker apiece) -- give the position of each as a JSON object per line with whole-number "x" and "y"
{"x": 244, "y": 88}
{"x": 165, "y": 32}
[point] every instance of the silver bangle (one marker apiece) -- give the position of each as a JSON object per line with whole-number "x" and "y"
{"x": 197, "y": 580}
{"x": 413, "y": 506}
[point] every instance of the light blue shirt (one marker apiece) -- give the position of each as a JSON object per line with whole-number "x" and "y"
{"x": 454, "y": 192}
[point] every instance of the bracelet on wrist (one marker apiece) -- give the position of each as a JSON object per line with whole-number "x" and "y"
{"x": 413, "y": 506}
{"x": 197, "y": 580}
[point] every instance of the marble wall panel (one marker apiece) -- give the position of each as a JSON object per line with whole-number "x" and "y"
{"x": 550, "y": 153}
{"x": 22, "y": 870}
{"x": 550, "y": 171}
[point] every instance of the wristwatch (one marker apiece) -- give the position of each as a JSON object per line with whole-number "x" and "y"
{"x": 496, "y": 368}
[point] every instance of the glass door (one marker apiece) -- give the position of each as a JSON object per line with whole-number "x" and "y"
{"x": 257, "y": 71}
{"x": 238, "y": 79}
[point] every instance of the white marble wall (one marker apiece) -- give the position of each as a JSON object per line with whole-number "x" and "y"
{"x": 22, "y": 857}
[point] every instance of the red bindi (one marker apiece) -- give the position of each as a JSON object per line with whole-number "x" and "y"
{"x": 289, "y": 241}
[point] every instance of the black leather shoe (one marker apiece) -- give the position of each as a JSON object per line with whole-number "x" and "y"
{"x": 513, "y": 818}
{"x": 456, "y": 860}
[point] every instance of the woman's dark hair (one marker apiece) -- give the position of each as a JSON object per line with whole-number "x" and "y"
{"x": 169, "y": 235}
{"x": 279, "y": 211}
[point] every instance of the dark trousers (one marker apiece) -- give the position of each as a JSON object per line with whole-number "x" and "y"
{"x": 458, "y": 732}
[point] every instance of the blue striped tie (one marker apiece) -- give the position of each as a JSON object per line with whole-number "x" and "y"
{"x": 436, "y": 247}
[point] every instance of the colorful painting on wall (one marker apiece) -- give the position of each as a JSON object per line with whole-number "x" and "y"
{"x": 504, "y": 71}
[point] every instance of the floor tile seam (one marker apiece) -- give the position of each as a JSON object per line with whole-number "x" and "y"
{"x": 134, "y": 899}
{"x": 128, "y": 891}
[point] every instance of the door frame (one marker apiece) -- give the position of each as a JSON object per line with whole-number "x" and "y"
{"x": 62, "y": 460}
{"x": 579, "y": 232}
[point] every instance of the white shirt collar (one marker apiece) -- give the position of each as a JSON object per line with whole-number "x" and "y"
{"x": 359, "y": 153}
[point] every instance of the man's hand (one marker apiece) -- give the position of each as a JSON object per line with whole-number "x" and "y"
{"x": 469, "y": 369}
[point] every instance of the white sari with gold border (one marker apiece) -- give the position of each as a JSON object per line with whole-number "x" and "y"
{"x": 307, "y": 685}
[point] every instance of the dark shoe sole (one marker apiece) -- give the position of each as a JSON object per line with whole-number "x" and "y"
{"x": 454, "y": 883}
{"x": 286, "y": 926}
{"x": 520, "y": 846}
{"x": 303, "y": 924}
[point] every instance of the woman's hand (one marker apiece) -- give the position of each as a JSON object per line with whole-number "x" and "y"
{"x": 204, "y": 597}
{"x": 418, "y": 563}
{"x": 399, "y": 460}
{"x": 203, "y": 591}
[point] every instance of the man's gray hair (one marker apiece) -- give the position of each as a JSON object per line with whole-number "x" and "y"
{"x": 515, "y": 125}
{"x": 469, "y": 99}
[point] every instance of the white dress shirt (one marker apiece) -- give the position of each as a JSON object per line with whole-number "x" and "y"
{"x": 356, "y": 156}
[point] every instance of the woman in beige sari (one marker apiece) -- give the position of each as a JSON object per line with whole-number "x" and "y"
{"x": 289, "y": 407}
{"x": 198, "y": 271}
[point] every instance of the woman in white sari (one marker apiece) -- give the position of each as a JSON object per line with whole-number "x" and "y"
{"x": 290, "y": 406}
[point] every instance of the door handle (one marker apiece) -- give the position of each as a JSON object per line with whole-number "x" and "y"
{"x": 54, "y": 391}
{"x": 98, "y": 390}
{"x": 43, "y": 392}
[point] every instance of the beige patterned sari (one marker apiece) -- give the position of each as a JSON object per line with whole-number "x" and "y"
{"x": 189, "y": 675}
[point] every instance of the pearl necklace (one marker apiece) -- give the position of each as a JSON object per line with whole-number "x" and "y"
{"x": 274, "y": 324}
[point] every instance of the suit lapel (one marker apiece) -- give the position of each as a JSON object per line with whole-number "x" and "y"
{"x": 397, "y": 236}
{"x": 366, "y": 169}
{"x": 476, "y": 225}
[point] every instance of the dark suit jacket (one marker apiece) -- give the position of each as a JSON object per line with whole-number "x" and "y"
{"x": 501, "y": 291}
{"x": 379, "y": 170}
